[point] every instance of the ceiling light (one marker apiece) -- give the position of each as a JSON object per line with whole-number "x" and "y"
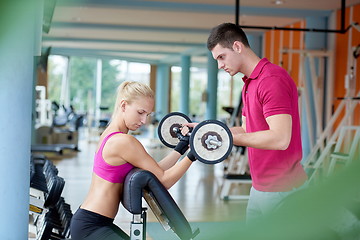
{"x": 77, "y": 19}
{"x": 278, "y": 2}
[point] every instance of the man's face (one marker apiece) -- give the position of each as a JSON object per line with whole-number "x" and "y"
{"x": 227, "y": 59}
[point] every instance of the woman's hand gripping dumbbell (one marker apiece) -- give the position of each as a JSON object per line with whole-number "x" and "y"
{"x": 183, "y": 144}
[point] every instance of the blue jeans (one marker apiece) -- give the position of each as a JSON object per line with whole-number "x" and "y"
{"x": 262, "y": 203}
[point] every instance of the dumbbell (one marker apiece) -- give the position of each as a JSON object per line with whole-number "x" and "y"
{"x": 211, "y": 140}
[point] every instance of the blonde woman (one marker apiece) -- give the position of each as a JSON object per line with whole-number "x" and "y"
{"x": 117, "y": 153}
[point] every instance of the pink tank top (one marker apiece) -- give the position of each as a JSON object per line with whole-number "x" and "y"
{"x": 113, "y": 174}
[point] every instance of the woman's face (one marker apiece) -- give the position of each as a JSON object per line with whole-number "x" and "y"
{"x": 137, "y": 112}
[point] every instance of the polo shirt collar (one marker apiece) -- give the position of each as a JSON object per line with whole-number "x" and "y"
{"x": 257, "y": 70}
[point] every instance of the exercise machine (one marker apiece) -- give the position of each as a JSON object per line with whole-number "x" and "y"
{"x": 141, "y": 184}
{"x": 236, "y": 167}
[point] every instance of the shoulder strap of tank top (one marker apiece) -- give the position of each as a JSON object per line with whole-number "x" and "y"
{"x": 106, "y": 139}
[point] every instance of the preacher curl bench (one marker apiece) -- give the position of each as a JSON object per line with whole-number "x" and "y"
{"x": 143, "y": 184}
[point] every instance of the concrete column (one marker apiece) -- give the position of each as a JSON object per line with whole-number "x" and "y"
{"x": 98, "y": 88}
{"x": 313, "y": 41}
{"x": 255, "y": 42}
{"x": 185, "y": 84}
{"x": 153, "y": 69}
{"x": 162, "y": 90}
{"x": 18, "y": 43}
{"x": 33, "y": 118}
{"x": 211, "y": 101}
{"x": 65, "y": 85}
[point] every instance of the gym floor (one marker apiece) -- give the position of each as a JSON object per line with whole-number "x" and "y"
{"x": 197, "y": 193}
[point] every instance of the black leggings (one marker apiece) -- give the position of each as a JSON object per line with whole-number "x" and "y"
{"x": 87, "y": 225}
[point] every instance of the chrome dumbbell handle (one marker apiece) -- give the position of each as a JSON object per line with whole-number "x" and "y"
{"x": 179, "y": 134}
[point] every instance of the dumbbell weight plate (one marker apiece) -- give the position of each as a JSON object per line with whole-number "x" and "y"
{"x": 211, "y": 141}
{"x": 165, "y": 130}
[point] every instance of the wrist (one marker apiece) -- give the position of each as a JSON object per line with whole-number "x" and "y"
{"x": 182, "y": 147}
{"x": 191, "y": 156}
{"x": 181, "y": 150}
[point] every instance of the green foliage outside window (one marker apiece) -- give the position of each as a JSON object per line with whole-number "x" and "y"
{"x": 82, "y": 80}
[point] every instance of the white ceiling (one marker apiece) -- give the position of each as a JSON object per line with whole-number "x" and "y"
{"x": 162, "y": 30}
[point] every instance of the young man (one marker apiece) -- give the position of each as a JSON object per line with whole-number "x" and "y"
{"x": 270, "y": 119}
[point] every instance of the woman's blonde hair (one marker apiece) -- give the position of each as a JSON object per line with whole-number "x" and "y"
{"x": 130, "y": 91}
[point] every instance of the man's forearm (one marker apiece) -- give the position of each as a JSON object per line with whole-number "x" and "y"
{"x": 267, "y": 139}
